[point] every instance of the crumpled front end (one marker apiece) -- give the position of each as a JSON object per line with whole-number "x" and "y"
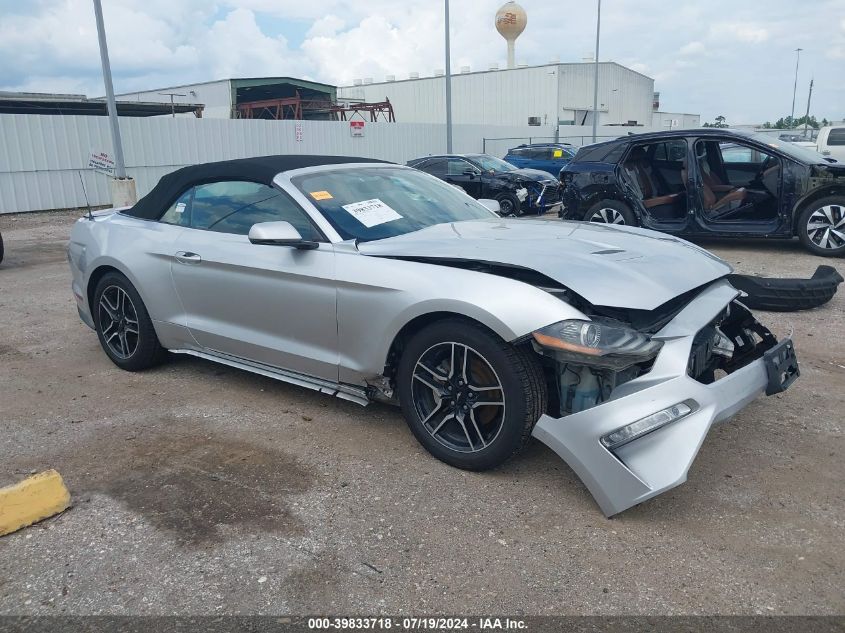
{"x": 632, "y": 433}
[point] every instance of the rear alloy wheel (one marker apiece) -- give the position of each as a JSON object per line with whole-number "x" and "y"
{"x": 469, "y": 398}
{"x": 606, "y": 215}
{"x": 118, "y": 320}
{"x": 821, "y": 227}
{"x": 123, "y": 325}
{"x": 610, "y": 212}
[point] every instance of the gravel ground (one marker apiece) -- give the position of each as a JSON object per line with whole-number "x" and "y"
{"x": 201, "y": 489}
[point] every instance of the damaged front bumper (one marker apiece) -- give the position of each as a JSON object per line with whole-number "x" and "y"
{"x": 626, "y": 474}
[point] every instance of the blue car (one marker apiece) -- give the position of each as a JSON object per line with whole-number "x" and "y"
{"x": 548, "y": 157}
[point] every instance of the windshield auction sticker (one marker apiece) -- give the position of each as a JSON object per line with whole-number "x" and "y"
{"x": 321, "y": 195}
{"x": 371, "y": 213}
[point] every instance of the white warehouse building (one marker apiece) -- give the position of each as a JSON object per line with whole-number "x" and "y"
{"x": 526, "y": 95}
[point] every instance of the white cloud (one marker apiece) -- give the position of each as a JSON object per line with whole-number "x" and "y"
{"x": 51, "y": 45}
{"x": 236, "y": 47}
{"x": 327, "y": 26}
{"x": 739, "y": 32}
{"x": 693, "y": 48}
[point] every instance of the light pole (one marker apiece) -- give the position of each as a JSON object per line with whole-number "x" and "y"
{"x": 122, "y": 188}
{"x": 119, "y": 165}
{"x": 596, "y": 74}
{"x": 795, "y": 85}
{"x": 448, "y": 86}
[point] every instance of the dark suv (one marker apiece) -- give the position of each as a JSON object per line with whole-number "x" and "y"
{"x": 519, "y": 191}
{"x": 548, "y": 157}
{"x": 713, "y": 182}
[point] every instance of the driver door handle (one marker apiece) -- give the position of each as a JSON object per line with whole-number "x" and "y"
{"x": 184, "y": 257}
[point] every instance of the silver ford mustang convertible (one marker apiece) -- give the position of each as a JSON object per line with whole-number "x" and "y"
{"x": 617, "y": 347}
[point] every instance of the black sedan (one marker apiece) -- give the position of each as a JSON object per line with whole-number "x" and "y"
{"x": 519, "y": 191}
{"x": 710, "y": 182}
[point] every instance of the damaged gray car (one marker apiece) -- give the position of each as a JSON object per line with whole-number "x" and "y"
{"x": 617, "y": 347}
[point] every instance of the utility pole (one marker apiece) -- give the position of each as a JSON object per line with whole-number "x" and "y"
{"x": 448, "y": 86}
{"x": 807, "y": 116}
{"x": 596, "y": 75}
{"x": 122, "y": 188}
{"x": 795, "y": 85}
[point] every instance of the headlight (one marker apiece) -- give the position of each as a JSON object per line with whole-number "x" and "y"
{"x": 597, "y": 343}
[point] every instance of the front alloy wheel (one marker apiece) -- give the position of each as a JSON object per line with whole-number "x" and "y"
{"x": 458, "y": 397}
{"x": 509, "y": 205}
{"x": 821, "y": 227}
{"x": 470, "y": 398}
{"x": 826, "y": 227}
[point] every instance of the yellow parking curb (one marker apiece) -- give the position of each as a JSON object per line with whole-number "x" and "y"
{"x": 31, "y": 500}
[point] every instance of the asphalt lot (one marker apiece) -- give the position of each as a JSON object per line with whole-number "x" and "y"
{"x": 201, "y": 489}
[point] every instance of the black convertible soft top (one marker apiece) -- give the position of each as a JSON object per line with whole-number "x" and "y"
{"x": 261, "y": 169}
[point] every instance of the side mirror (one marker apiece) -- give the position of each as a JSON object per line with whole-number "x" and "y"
{"x": 491, "y": 205}
{"x": 279, "y": 234}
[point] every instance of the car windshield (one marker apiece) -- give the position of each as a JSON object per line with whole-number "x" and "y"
{"x": 490, "y": 163}
{"x": 373, "y": 203}
{"x": 803, "y": 154}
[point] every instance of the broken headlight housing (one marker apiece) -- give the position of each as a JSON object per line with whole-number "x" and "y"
{"x": 596, "y": 343}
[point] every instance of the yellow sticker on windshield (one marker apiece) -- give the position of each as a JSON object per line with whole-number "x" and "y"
{"x": 321, "y": 195}
{"x": 558, "y": 153}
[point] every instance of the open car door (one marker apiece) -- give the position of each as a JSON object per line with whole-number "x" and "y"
{"x": 737, "y": 188}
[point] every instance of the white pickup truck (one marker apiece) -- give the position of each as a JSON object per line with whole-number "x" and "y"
{"x": 831, "y": 142}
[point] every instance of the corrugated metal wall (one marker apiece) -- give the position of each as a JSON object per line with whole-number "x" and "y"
{"x": 509, "y": 97}
{"x": 216, "y": 96}
{"x": 42, "y": 157}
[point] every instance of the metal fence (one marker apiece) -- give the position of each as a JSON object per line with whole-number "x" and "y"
{"x": 44, "y": 159}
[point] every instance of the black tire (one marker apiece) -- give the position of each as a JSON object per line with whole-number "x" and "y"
{"x": 2, "y": 250}
{"x": 510, "y": 205}
{"x": 613, "y": 211}
{"x": 814, "y": 240}
{"x": 507, "y": 427}
{"x": 143, "y": 349}
{"x": 788, "y": 295}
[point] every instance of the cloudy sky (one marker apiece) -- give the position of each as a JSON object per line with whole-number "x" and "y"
{"x": 729, "y": 57}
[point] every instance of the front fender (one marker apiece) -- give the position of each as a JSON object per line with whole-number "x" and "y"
{"x": 371, "y": 314}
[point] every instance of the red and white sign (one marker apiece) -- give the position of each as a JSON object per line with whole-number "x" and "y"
{"x": 356, "y": 128}
{"x": 100, "y": 161}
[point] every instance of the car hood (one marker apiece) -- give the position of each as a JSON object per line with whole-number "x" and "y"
{"x": 529, "y": 174}
{"x": 610, "y": 266}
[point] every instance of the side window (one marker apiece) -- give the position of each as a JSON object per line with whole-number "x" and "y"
{"x": 234, "y": 206}
{"x": 836, "y": 136}
{"x": 659, "y": 152}
{"x": 179, "y": 212}
{"x": 676, "y": 150}
{"x": 732, "y": 153}
{"x": 435, "y": 167}
{"x": 541, "y": 153}
{"x": 457, "y": 167}
{"x": 519, "y": 152}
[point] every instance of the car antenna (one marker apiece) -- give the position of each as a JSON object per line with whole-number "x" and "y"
{"x": 85, "y": 193}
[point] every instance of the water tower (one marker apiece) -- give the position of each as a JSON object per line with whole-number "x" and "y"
{"x": 510, "y": 23}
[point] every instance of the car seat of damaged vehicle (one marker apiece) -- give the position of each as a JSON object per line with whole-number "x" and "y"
{"x": 641, "y": 174}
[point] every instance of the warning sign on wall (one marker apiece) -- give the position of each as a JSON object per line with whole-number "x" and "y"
{"x": 356, "y": 128}
{"x": 102, "y": 162}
